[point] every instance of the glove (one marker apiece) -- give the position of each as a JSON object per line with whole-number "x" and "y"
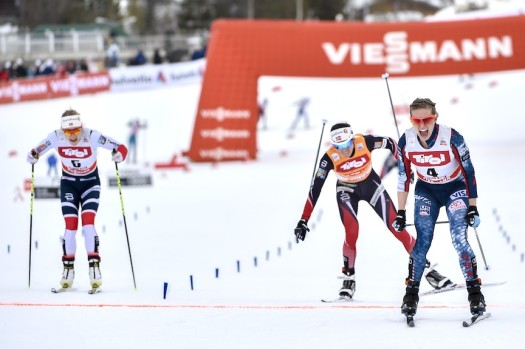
{"x": 301, "y": 230}
{"x": 400, "y": 222}
{"x": 473, "y": 217}
{"x": 32, "y": 156}
{"x": 116, "y": 156}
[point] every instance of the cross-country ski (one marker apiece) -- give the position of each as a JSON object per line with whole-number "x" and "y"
{"x": 458, "y": 287}
{"x": 475, "y": 319}
{"x": 340, "y": 299}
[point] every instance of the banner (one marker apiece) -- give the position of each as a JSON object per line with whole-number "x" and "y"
{"x": 149, "y": 76}
{"x": 241, "y": 51}
{"x": 21, "y": 90}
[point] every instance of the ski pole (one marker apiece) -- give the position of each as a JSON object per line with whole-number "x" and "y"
{"x": 439, "y": 222}
{"x": 481, "y": 249}
{"x": 125, "y": 225}
{"x": 385, "y": 76}
{"x": 31, "y": 219}
{"x": 318, "y": 148}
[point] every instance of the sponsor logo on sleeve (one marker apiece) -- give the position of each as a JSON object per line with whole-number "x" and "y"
{"x": 321, "y": 173}
{"x": 43, "y": 146}
{"x": 102, "y": 140}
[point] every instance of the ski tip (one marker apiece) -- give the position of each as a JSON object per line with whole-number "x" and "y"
{"x": 475, "y": 319}
{"x": 59, "y": 290}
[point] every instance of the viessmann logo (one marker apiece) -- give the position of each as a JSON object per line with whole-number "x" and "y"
{"x": 221, "y": 114}
{"x": 221, "y": 134}
{"x": 397, "y": 53}
{"x": 220, "y": 153}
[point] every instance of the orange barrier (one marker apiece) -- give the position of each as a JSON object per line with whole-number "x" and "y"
{"x": 21, "y": 90}
{"x": 241, "y": 51}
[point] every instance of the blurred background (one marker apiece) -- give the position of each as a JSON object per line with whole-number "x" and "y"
{"x": 46, "y": 37}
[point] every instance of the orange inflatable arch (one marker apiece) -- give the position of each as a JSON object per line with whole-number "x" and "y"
{"x": 240, "y": 51}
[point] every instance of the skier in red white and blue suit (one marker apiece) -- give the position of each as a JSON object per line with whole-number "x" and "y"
{"x": 445, "y": 178}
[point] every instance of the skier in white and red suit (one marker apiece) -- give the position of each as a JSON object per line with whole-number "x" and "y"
{"x": 79, "y": 186}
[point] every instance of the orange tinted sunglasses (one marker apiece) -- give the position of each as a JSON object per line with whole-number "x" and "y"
{"x": 74, "y": 131}
{"x": 425, "y": 120}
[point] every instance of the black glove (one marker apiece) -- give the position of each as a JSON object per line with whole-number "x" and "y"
{"x": 473, "y": 217}
{"x": 301, "y": 230}
{"x": 401, "y": 221}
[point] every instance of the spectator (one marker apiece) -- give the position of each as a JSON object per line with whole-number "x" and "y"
{"x": 20, "y": 69}
{"x": 82, "y": 66}
{"x": 113, "y": 55}
{"x": 4, "y": 73}
{"x": 139, "y": 59}
{"x": 36, "y": 69}
{"x": 49, "y": 67}
{"x": 157, "y": 57}
{"x": 199, "y": 53}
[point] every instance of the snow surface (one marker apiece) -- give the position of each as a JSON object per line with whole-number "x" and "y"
{"x": 219, "y": 217}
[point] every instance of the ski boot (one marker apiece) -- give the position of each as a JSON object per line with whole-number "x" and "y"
{"x": 348, "y": 288}
{"x": 95, "y": 277}
{"x": 475, "y": 297}
{"x": 435, "y": 279}
{"x": 68, "y": 275}
{"x": 411, "y": 298}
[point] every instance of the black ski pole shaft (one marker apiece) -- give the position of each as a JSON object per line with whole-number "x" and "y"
{"x": 481, "y": 249}
{"x": 31, "y": 219}
{"x": 318, "y": 148}
{"x": 385, "y": 76}
{"x": 439, "y": 222}
{"x": 125, "y": 225}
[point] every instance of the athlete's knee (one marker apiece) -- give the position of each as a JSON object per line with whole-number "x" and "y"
{"x": 88, "y": 218}
{"x": 71, "y": 222}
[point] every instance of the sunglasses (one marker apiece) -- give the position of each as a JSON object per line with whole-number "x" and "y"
{"x": 344, "y": 145}
{"x": 425, "y": 120}
{"x": 74, "y": 131}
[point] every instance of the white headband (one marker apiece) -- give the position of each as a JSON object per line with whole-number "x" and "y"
{"x": 71, "y": 122}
